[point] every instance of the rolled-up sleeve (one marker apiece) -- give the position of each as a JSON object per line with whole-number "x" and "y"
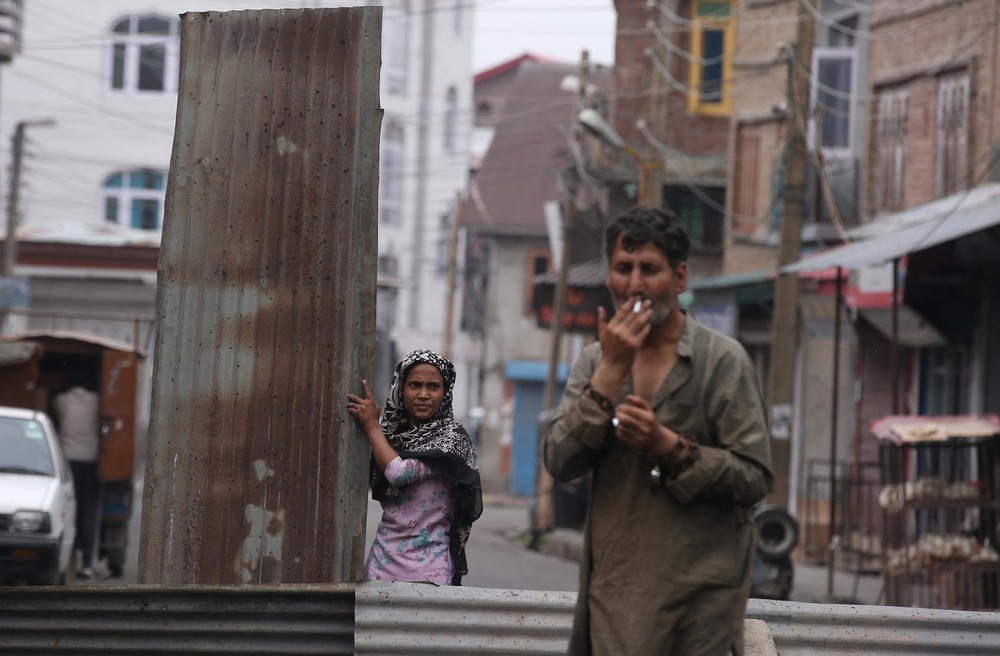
{"x": 578, "y": 429}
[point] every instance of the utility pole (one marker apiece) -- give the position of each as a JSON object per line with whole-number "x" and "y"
{"x": 543, "y": 512}
{"x": 784, "y": 319}
{"x": 449, "y": 302}
{"x": 13, "y": 202}
{"x": 10, "y": 240}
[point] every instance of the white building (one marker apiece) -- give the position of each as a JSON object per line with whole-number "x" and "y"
{"x": 105, "y": 72}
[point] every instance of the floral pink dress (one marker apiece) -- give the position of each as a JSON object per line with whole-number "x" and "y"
{"x": 413, "y": 538}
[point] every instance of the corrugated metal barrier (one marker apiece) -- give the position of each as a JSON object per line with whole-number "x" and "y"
{"x": 190, "y": 620}
{"x": 266, "y": 301}
{"x": 816, "y": 629}
{"x": 406, "y": 618}
{"x": 413, "y": 618}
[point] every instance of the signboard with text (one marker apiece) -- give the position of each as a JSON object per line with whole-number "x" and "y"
{"x": 580, "y": 313}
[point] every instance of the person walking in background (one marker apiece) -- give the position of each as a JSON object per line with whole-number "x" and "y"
{"x": 424, "y": 473}
{"x": 669, "y": 417}
{"x": 77, "y": 411}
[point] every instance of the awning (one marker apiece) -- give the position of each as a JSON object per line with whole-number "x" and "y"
{"x": 911, "y": 231}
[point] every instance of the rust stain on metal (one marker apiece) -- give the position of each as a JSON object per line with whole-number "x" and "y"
{"x": 266, "y": 301}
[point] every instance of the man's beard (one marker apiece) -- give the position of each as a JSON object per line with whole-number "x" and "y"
{"x": 661, "y": 310}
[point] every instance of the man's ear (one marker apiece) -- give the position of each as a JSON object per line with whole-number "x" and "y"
{"x": 681, "y": 277}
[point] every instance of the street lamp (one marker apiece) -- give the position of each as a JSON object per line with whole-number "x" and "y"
{"x": 592, "y": 121}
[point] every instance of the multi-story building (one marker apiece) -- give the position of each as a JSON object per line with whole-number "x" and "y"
{"x": 96, "y": 89}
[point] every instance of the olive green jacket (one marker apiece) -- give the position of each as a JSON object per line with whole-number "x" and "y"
{"x": 648, "y": 552}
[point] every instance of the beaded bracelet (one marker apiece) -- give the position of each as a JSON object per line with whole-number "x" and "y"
{"x": 603, "y": 402}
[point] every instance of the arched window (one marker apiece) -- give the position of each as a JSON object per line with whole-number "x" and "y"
{"x": 391, "y": 175}
{"x": 135, "y": 198}
{"x": 450, "y": 120}
{"x": 397, "y": 22}
{"x": 144, "y": 54}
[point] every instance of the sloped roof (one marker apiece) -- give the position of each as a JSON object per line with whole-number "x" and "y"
{"x": 88, "y": 234}
{"x": 520, "y": 171}
{"x": 911, "y": 230}
{"x": 509, "y": 65}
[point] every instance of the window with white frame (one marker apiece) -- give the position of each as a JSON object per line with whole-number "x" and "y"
{"x": 391, "y": 175}
{"x": 950, "y": 164}
{"x": 397, "y": 28}
{"x": 833, "y": 100}
{"x": 450, "y": 120}
{"x": 144, "y": 54}
{"x": 893, "y": 109}
{"x": 135, "y": 198}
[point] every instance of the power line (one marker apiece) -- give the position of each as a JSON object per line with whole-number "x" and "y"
{"x": 87, "y": 103}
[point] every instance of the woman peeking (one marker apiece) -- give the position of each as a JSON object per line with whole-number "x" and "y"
{"x": 424, "y": 473}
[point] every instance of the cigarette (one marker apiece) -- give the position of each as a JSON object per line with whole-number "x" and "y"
{"x": 614, "y": 422}
{"x": 637, "y": 308}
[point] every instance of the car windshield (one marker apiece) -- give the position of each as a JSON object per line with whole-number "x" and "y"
{"x": 23, "y": 448}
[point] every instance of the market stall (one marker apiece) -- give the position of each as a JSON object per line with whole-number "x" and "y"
{"x": 940, "y": 496}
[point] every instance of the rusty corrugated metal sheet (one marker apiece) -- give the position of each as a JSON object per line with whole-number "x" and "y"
{"x": 255, "y": 472}
{"x": 190, "y": 620}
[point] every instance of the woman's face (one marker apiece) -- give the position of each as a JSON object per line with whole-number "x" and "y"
{"x": 423, "y": 392}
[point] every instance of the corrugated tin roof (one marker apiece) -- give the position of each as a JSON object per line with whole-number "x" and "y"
{"x": 70, "y": 335}
{"x": 911, "y": 231}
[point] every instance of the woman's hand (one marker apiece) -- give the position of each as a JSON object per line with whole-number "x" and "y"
{"x": 364, "y": 409}
{"x": 366, "y": 412}
{"x": 639, "y": 430}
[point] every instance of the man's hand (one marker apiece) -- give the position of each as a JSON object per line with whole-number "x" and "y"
{"x": 622, "y": 336}
{"x": 639, "y": 430}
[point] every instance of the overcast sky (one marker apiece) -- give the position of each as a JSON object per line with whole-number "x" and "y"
{"x": 561, "y": 29}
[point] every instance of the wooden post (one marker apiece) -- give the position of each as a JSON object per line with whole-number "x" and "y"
{"x": 449, "y": 301}
{"x": 784, "y": 324}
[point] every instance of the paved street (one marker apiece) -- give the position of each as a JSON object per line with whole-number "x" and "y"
{"x": 498, "y": 558}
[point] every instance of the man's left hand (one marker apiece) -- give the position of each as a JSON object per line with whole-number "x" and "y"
{"x": 639, "y": 430}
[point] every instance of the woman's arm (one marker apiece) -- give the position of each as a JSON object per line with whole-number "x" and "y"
{"x": 366, "y": 412}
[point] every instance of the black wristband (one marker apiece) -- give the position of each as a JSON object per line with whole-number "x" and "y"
{"x": 602, "y": 401}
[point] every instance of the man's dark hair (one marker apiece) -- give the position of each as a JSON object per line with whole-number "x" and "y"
{"x": 649, "y": 225}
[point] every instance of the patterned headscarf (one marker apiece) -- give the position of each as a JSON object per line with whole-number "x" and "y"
{"x": 441, "y": 443}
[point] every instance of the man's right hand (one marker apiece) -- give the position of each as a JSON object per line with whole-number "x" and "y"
{"x": 622, "y": 336}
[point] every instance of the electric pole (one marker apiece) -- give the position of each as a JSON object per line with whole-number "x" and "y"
{"x": 449, "y": 302}
{"x": 13, "y": 201}
{"x": 784, "y": 322}
{"x": 543, "y": 512}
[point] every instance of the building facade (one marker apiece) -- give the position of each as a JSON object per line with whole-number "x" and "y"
{"x": 95, "y": 90}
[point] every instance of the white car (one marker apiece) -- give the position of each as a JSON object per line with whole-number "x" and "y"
{"x": 37, "y": 503}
